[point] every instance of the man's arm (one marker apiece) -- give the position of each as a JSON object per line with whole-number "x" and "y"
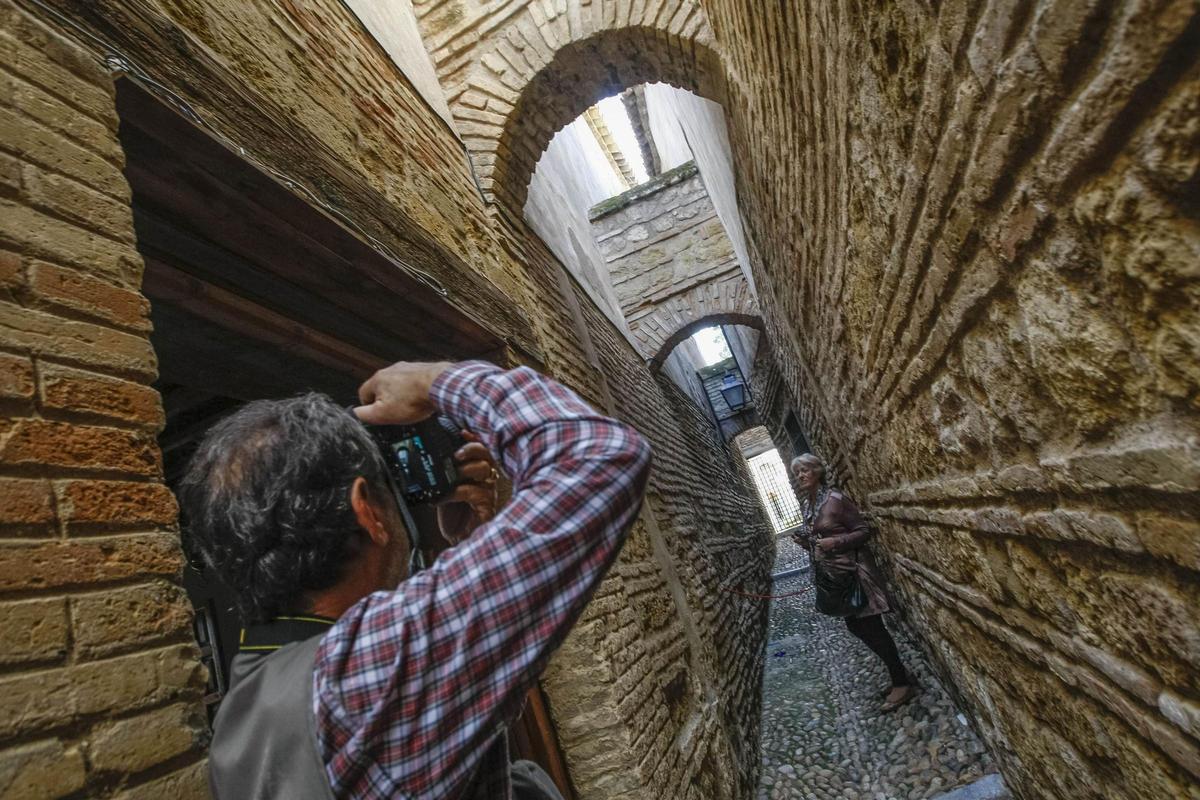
{"x": 412, "y": 685}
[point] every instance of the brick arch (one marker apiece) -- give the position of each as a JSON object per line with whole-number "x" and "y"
{"x": 580, "y": 75}
{"x": 676, "y": 338}
{"x": 517, "y": 90}
{"x": 728, "y": 302}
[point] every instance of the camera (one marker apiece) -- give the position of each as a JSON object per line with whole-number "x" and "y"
{"x": 420, "y": 457}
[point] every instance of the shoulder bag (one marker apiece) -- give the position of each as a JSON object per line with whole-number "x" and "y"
{"x": 839, "y": 593}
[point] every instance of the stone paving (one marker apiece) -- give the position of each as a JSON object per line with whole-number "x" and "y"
{"x": 823, "y": 736}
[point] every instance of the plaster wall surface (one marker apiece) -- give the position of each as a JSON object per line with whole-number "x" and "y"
{"x": 100, "y": 684}
{"x": 667, "y": 134}
{"x": 743, "y": 343}
{"x": 571, "y": 177}
{"x": 973, "y": 231}
{"x": 681, "y": 368}
{"x": 393, "y": 25}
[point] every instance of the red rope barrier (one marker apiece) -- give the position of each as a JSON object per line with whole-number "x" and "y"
{"x": 766, "y": 596}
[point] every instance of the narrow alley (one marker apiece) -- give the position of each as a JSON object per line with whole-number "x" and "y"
{"x": 642, "y": 257}
{"x": 823, "y": 734}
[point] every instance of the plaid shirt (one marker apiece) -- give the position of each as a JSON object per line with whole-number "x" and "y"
{"x": 414, "y": 689}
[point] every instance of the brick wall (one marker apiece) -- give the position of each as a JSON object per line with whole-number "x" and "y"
{"x": 657, "y": 693}
{"x": 971, "y": 226}
{"x": 102, "y": 686}
{"x": 711, "y": 533}
{"x": 98, "y": 684}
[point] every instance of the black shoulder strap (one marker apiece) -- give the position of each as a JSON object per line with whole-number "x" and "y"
{"x": 282, "y": 630}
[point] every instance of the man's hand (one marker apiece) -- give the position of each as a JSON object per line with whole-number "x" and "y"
{"x": 473, "y": 502}
{"x": 399, "y": 394}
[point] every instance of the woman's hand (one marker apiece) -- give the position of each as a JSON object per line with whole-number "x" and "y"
{"x": 822, "y": 547}
{"x": 473, "y": 502}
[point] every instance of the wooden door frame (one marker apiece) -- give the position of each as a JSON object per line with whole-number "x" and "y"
{"x": 196, "y": 272}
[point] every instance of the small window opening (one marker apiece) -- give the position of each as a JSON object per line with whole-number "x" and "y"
{"x": 713, "y": 346}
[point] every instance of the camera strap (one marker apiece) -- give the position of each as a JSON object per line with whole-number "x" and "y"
{"x": 282, "y": 631}
{"x": 416, "y": 556}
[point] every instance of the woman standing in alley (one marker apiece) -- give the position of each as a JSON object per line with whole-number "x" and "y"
{"x": 836, "y": 535}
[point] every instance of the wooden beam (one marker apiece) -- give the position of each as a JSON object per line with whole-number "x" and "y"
{"x": 164, "y": 283}
{"x": 166, "y": 243}
{"x": 212, "y": 229}
{"x": 186, "y": 65}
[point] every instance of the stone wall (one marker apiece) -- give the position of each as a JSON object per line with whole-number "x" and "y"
{"x": 671, "y": 263}
{"x": 686, "y": 127}
{"x": 973, "y": 230}
{"x": 975, "y": 240}
{"x": 101, "y": 685}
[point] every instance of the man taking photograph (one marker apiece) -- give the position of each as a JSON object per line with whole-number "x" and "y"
{"x": 352, "y": 681}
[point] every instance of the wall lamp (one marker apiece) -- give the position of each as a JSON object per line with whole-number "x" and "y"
{"x": 733, "y": 389}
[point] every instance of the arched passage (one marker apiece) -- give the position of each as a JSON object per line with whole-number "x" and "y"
{"x": 685, "y": 330}
{"x": 535, "y": 74}
{"x": 580, "y": 75}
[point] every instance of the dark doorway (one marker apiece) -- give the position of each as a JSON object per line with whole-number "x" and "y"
{"x": 256, "y": 293}
{"x": 795, "y": 434}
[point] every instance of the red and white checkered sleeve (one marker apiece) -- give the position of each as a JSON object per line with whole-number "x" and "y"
{"x": 412, "y": 685}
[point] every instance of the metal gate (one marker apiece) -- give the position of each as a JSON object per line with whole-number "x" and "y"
{"x": 775, "y": 490}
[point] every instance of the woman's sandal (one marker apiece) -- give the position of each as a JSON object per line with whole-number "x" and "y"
{"x": 885, "y": 692}
{"x": 909, "y": 693}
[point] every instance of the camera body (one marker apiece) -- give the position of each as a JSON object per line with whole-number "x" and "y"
{"x": 420, "y": 457}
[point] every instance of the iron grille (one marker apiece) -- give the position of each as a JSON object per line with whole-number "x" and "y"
{"x": 770, "y": 478}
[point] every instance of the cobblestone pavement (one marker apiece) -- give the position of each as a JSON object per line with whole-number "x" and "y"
{"x": 823, "y": 736}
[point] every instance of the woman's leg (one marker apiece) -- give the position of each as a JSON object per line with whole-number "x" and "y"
{"x": 874, "y": 635}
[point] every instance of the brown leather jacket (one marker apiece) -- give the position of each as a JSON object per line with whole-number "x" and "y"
{"x": 838, "y": 520}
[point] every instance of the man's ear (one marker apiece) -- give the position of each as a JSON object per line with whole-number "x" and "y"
{"x": 368, "y": 514}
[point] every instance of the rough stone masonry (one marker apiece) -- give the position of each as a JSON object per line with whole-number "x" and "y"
{"x": 973, "y": 228}
{"x": 671, "y": 263}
